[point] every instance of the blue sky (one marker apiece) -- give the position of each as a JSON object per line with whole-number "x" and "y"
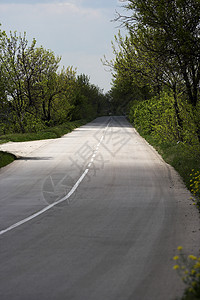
{"x": 78, "y": 30}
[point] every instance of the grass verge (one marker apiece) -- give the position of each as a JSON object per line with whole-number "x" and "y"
{"x": 47, "y": 133}
{"x": 184, "y": 158}
{"x": 6, "y": 158}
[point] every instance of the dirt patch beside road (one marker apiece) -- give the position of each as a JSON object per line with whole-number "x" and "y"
{"x": 20, "y": 149}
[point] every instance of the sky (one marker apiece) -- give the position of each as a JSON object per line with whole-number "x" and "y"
{"x": 80, "y": 31}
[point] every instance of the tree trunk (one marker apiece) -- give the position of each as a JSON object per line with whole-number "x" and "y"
{"x": 49, "y": 109}
{"x": 177, "y": 113}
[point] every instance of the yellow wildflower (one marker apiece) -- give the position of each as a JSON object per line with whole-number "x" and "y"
{"x": 192, "y": 257}
{"x": 176, "y": 257}
{"x": 197, "y": 265}
{"x": 176, "y": 267}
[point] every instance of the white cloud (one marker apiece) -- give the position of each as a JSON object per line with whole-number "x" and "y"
{"x": 67, "y": 8}
{"x": 49, "y": 10}
{"x": 80, "y": 35}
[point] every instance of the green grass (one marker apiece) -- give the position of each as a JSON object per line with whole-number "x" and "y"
{"x": 48, "y": 133}
{"x": 6, "y": 158}
{"x": 182, "y": 157}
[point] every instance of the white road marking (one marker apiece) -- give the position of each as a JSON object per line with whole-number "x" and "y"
{"x": 74, "y": 188}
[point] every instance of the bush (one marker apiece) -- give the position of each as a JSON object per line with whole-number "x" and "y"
{"x": 159, "y": 118}
{"x": 156, "y": 120}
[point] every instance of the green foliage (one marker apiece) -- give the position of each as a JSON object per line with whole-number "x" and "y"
{"x": 88, "y": 99}
{"x": 156, "y": 120}
{"x": 26, "y": 70}
{"x": 160, "y": 53}
{"x": 167, "y": 33}
{"x": 34, "y": 94}
{"x": 190, "y": 122}
{"x": 124, "y": 93}
{"x": 195, "y": 185}
{"x": 142, "y": 117}
{"x": 181, "y": 156}
{"x": 32, "y": 123}
{"x": 6, "y": 158}
{"x": 165, "y": 126}
{"x": 58, "y": 96}
{"x": 47, "y": 133}
{"x": 158, "y": 117}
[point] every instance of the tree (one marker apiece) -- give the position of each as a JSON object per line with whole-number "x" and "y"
{"x": 146, "y": 70}
{"x": 58, "y": 96}
{"x": 177, "y": 26}
{"x": 34, "y": 94}
{"x": 26, "y": 69}
{"x": 89, "y": 99}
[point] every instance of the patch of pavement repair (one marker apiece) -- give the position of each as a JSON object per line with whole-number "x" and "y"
{"x": 22, "y": 149}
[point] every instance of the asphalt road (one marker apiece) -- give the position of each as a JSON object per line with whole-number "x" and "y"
{"x": 106, "y": 216}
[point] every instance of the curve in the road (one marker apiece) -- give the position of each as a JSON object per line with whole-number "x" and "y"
{"x": 71, "y": 192}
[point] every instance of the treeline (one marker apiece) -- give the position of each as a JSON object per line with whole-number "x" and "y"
{"x": 157, "y": 68}
{"x": 35, "y": 94}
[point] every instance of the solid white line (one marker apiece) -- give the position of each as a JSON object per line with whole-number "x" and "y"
{"x": 64, "y": 198}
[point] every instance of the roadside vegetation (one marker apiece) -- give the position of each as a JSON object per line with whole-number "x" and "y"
{"x": 6, "y": 158}
{"x": 155, "y": 120}
{"x": 156, "y": 82}
{"x": 35, "y": 93}
{"x": 188, "y": 268}
{"x": 48, "y": 133}
{"x": 38, "y": 98}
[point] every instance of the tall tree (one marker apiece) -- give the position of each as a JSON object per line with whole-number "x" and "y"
{"x": 89, "y": 98}
{"x": 25, "y": 70}
{"x": 147, "y": 70}
{"x": 58, "y": 95}
{"x": 177, "y": 26}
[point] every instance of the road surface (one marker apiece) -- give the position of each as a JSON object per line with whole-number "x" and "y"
{"x": 94, "y": 215}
